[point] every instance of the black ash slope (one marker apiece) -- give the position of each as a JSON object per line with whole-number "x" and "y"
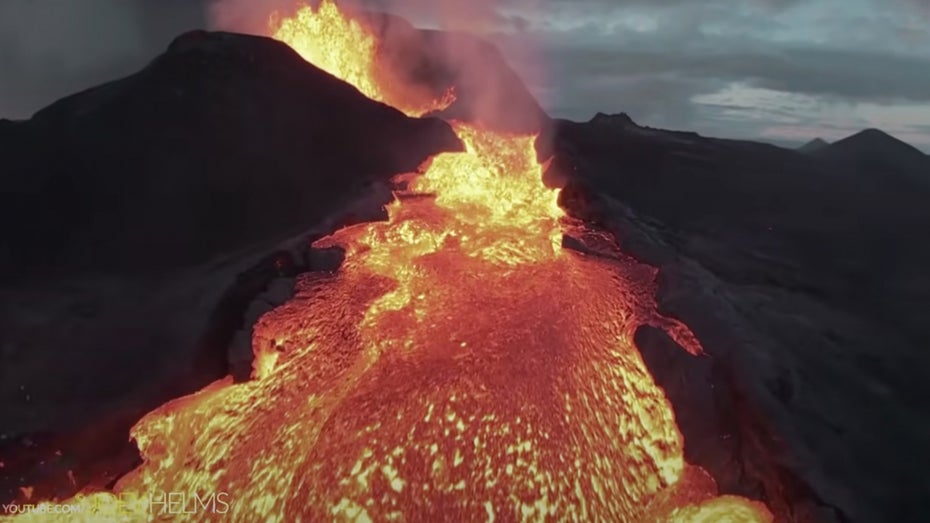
{"x": 805, "y": 277}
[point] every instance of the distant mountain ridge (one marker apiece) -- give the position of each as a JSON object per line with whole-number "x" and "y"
{"x": 875, "y": 141}
{"x": 814, "y": 145}
{"x": 880, "y": 154}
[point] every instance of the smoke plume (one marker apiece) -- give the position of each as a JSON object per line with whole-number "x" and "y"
{"x": 460, "y": 55}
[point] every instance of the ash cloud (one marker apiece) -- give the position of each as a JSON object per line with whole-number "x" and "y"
{"x": 480, "y": 72}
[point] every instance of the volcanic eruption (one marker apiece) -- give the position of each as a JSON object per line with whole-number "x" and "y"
{"x": 460, "y": 365}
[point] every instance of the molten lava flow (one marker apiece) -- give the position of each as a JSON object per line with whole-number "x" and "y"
{"x": 345, "y": 48}
{"x": 460, "y": 366}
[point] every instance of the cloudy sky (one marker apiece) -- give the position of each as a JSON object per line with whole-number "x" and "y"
{"x": 778, "y": 70}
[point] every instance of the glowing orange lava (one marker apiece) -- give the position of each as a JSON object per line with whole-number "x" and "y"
{"x": 459, "y": 366}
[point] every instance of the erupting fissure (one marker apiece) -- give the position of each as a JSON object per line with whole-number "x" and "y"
{"x": 459, "y": 366}
{"x": 347, "y": 49}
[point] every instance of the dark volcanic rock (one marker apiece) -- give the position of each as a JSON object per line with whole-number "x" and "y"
{"x": 805, "y": 279}
{"x": 724, "y": 433}
{"x": 622, "y": 120}
{"x": 222, "y": 141}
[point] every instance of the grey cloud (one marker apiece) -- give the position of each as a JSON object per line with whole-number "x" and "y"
{"x": 657, "y": 88}
{"x": 921, "y": 7}
{"x": 838, "y": 73}
{"x": 693, "y": 48}
{"x": 860, "y": 75}
{"x": 52, "y": 48}
{"x": 773, "y": 4}
{"x": 659, "y": 100}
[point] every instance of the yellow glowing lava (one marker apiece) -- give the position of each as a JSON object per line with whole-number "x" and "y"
{"x": 345, "y": 48}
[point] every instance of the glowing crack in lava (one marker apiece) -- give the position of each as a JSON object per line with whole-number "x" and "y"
{"x": 459, "y": 366}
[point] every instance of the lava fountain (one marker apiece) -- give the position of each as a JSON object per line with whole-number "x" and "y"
{"x": 459, "y": 366}
{"x": 347, "y": 49}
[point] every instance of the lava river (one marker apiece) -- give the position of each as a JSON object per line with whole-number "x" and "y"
{"x": 459, "y": 366}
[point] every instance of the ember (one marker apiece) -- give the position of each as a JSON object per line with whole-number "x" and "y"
{"x": 459, "y": 366}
